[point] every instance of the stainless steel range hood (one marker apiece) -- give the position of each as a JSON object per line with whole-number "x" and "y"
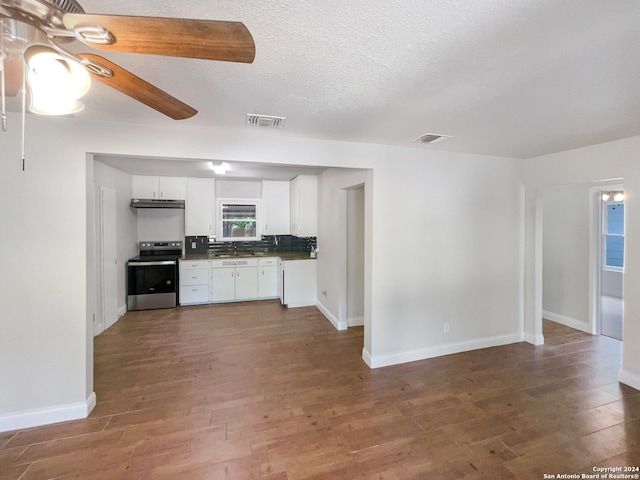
{"x": 156, "y": 203}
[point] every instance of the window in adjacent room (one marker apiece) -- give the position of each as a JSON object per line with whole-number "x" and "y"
{"x": 613, "y": 226}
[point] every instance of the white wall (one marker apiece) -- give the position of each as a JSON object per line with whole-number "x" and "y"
{"x": 566, "y": 254}
{"x": 155, "y": 224}
{"x": 447, "y": 248}
{"x": 607, "y": 161}
{"x": 44, "y": 335}
{"x": 459, "y": 260}
{"x": 238, "y": 189}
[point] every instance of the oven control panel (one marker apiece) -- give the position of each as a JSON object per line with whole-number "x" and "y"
{"x": 176, "y": 245}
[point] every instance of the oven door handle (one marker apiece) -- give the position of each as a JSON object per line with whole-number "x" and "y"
{"x": 151, "y": 264}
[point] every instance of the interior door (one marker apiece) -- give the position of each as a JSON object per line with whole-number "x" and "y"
{"x": 108, "y": 247}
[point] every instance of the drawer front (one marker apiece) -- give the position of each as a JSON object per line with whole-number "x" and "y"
{"x": 240, "y": 262}
{"x": 263, "y": 262}
{"x": 194, "y": 294}
{"x": 194, "y": 277}
{"x": 193, "y": 264}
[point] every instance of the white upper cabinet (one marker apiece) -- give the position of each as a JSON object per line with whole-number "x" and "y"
{"x": 276, "y": 207}
{"x": 200, "y": 199}
{"x": 165, "y": 188}
{"x": 171, "y": 188}
{"x": 304, "y": 206}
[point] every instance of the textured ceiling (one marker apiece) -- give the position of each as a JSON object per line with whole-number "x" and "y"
{"x": 513, "y": 78}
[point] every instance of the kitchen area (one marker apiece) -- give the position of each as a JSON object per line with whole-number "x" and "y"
{"x": 201, "y": 240}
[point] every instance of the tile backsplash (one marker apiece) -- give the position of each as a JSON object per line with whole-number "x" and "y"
{"x": 269, "y": 243}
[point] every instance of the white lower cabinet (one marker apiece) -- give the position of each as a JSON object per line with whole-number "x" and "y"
{"x": 298, "y": 283}
{"x": 268, "y": 277}
{"x": 229, "y": 280}
{"x": 194, "y": 282}
{"x": 223, "y": 283}
{"x": 233, "y": 280}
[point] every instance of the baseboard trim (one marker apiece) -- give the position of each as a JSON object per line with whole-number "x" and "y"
{"x": 46, "y": 416}
{"x": 122, "y": 310}
{"x": 300, "y": 304}
{"x": 448, "y": 349}
{"x": 534, "y": 339}
{"x": 567, "y": 321}
{"x": 630, "y": 379}
{"x": 334, "y": 321}
{"x": 366, "y": 356}
{"x": 356, "y": 321}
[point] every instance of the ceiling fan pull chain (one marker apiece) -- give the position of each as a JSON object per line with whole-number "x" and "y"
{"x": 24, "y": 113}
{"x": 2, "y": 78}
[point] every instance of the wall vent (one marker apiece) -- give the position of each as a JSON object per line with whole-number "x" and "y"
{"x": 431, "y": 138}
{"x": 267, "y": 121}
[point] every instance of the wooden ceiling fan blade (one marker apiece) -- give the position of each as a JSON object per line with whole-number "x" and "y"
{"x": 139, "y": 89}
{"x": 205, "y": 39}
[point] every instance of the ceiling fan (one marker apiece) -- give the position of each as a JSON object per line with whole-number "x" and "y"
{"x": 33, "y": 30}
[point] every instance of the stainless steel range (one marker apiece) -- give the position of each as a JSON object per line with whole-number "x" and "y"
{"x": 153, "y": 276}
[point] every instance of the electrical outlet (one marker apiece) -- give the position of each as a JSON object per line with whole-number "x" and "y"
{"x": 446, "y": 327}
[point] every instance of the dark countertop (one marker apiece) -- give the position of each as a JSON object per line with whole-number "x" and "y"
{"x": 222, "y": 256}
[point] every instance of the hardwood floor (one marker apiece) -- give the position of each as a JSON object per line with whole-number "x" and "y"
{"x": 255, "y": 391}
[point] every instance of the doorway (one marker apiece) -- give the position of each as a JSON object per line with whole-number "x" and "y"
{"x": 355, "y": 256}
{"x": 582, "y": 256}
{"x": 611, "y": 261}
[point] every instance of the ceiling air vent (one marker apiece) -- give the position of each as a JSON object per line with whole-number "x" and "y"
{"x": 431, "y": 138}
{"x": 268, "y": 121}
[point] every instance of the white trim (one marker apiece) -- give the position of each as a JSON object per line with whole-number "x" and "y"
{"x": 356, "y": 321}
{"x": 122, "y": 310}
{"x": 292, "y": 305}
{"x": 338, "y": 325}
{"x": 448, "y": 349}
{"x": 239, "y": 201}
{"x": 534, "y": 339}
{"x": 630, "y": 379}
{"x": 46, "y": 416}
{"x": 366, "y": 356}
{"x": 567, "y": 321}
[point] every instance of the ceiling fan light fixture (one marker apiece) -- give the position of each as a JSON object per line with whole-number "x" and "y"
{"x": 56, "y": 82}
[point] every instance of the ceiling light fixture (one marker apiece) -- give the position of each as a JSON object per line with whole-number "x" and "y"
{"x": 56, "y": 82}
{"x": 220, "y": 169}
{"x": 617, "y": 196}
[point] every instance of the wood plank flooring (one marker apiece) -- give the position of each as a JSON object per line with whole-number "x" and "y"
{"x": 256, "y": 391}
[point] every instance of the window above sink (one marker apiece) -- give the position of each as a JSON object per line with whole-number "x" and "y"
{"x": 238, "y": 219}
